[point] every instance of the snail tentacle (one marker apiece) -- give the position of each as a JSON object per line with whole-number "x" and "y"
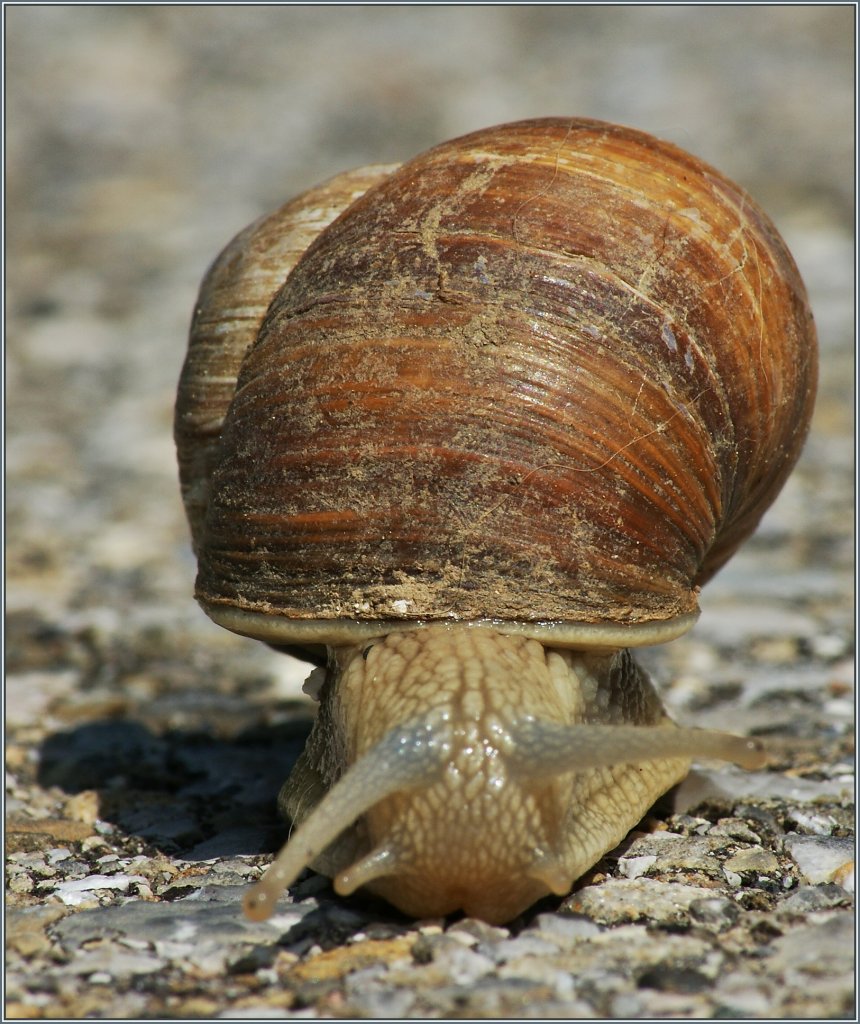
{"x": 549, "y": 870}
{"x": 384, "y": 860}
{"x": 544, "y": 749}
{"x": 405, "y": 758}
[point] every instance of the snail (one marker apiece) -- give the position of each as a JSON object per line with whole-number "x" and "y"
{"x": 465, "y": 431}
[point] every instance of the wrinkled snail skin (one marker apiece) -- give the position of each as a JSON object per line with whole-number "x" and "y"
{"x": 486, "y": 770}
{"x": 475, "y": 425}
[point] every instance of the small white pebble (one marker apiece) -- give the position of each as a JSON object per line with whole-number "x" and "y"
{"x": 633, "y": 867}
{"x": 92, "y": 843}
{"x": 819, "y": 824}
{"x": 284, "y": 920}
{"x": 169, "y": 950}
{"x": 821, "y": 858}
{"x": 570, "y": 927}
{"x": 130, "y": 943}
{"x": 839, "y": 707}
{"x": 828, "y": 645}
{"x": 431, "y": 927}
{"x": 523, "y": 946}
{"x": 77, "y": 890}
{"x": 210, "y": 958}
{"x": 463, "y": 966}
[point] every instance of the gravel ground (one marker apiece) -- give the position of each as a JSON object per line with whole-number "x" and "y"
{"x": 145, "y": 746}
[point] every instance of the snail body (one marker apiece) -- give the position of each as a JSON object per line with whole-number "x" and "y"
{"x": 467, "y": 430}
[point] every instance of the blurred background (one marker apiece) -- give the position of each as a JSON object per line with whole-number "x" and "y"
{"x": 141, "y": 138}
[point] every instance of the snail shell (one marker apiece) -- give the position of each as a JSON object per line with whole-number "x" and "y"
{"x": 475, "y": 425}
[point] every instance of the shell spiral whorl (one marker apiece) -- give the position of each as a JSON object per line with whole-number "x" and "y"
{"x": 551, "y": 370}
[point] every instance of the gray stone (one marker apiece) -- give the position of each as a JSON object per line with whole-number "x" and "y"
{"x": 727, "y": 785}
{"x": 112, "y": 964}
{"x": 823, "y": 948}
{"x": 745, "y": 996}
{"x": 524, "y": 945}
{"x": 753, "y": 860}
{"x": 462, "y": 965}
{"x": 621, "y": 899}
{"x": 480, "y": 931}
{"x": 77, "y": 891}
{"x": 734, "y": 828}
{"x": 810, "y": 898}
{"x": 215, "y": 916}
{"x": 566, "y": 928}
{"x": 715, "y": 913}
{"x": 538, "y": 969}
{"x": 371, "y": 997}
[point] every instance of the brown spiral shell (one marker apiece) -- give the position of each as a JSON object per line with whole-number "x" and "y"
{"x": 554, "y": 370}
{"x": 233, "y": 299}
